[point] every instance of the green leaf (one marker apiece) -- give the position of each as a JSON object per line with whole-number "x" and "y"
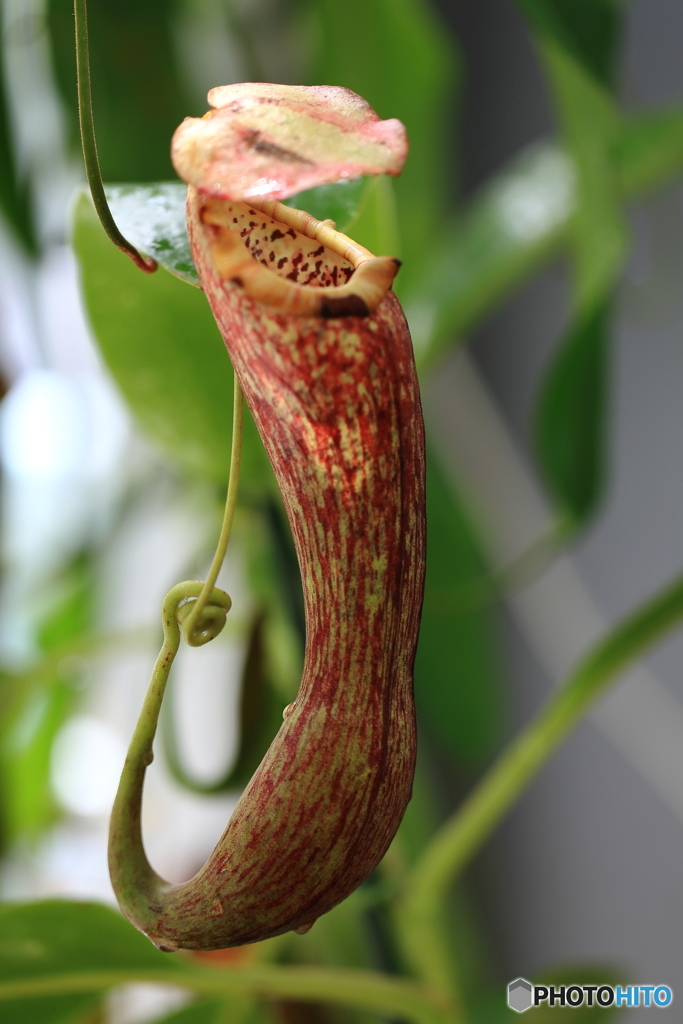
{"x": 570, "y": 421}
{"x": 375, "y": 222}
{"x": 516, "y": 222}
{"x": 25, "y": 750}
{"x": 53, "y": 937}
{"x": 649, "y": 150}
{"x": 162, "y": 346}
{"x": 35, "y": 711}
{"x": 402, "y": 60}
{"x": 338, "y": 201}
{"x": 588, "y": 29}
{"x": 48, "y": 1010}
{"x": 152, "y": 217}
{"x": 457, "y": 683}
{"x": 72, "y": 612}
{"x": 365, "y": 209}
{"x": 15, "y": 200}
{"x": 58, "y": 946}
{"x": 572, "y": 415}
{"x": 591, "y": 127}
{"x": 420, "y": 917}
{"x": 58, "y": 937}
{"x": 511, "y": 226}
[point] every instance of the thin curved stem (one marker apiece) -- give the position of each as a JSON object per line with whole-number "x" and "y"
{"x": 228, "y": 515}
{"x": 366, "y": 991}
{"x": 130, "y": 871}
{"x": 92, "y": 163}
{"x": 419, "y": 912}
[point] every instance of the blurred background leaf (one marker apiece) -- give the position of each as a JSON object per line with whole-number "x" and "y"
{"x": 162, "y": 346}
{"x": 591, "y": 126}
{"x": 405, "y": 65}
{"x": 587, "y": 29}
{"x": 457, "y": 677}
{"x": 38, "y": 713}
{"x": 139, "y": 97}
{"x": 572, "y": 416}
{"x": 15, "y": 194}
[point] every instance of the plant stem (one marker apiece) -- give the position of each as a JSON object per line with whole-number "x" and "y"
{"x": 228, "y": 515}
{"x": 92, "y": 163}
{"x": 360, "y": 990}
{"x": 420, "y": 909}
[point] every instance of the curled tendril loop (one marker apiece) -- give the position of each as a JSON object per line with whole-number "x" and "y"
{"x": 199, "y": 629}
{"x": 207, "y": 625}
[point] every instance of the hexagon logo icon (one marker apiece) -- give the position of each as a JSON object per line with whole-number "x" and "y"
{"x": 520, "y": 995}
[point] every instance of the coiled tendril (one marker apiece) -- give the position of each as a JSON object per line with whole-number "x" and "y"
{"x": 205, "y": 624}
{"x": 198, "y": 611}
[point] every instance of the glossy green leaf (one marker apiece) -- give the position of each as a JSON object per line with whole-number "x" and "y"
{"x": 161, "y": 344}
{"x": 588, "y": 29}
{"x": 457, "y": 682}
{"x": 152, "y": 217}
{"x": 338, "y": 201}
{"x": 570, "y": 424}
{"x": 364, "y": 209}
{"x": 402, "y": 60}
{"x": 375, "y": 223}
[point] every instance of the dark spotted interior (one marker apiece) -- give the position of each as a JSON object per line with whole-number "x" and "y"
{"x": 286, "y": 251}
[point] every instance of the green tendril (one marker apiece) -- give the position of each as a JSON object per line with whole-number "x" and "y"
{"x": 196, "y": 609}
{"x": 92, "y": 163}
